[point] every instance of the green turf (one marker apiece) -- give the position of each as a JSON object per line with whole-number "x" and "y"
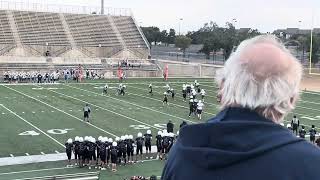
{"x": 135, "y": 112}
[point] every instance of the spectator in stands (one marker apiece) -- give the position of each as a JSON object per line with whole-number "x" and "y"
{"x": 259, "y": 85}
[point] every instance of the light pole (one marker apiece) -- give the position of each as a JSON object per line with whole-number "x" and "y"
{"x": 180, "y": 20}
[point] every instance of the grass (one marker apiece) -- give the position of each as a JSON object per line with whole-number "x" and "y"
{"x": 56, "y": 111}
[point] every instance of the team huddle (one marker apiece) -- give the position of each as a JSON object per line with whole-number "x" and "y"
{"x": 103, "y": 152}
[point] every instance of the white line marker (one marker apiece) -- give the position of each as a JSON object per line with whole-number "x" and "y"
{"x": 33, "y": 112}
{"x": 32, "y": 125}
{"x": 37, "y": 170}
{"x": 3, "y": 113}
{"x": 22, "y": 112}
{"x": 42, "y": 111}
{"x": 42, "y": 153}
{"x": 70, "y": 109}
{"x": 52, "y": 111}
{"x": 79, "y": 110}
{"x": 56, "y": 152}
{"x": 27, "y": 154}
{"x": 11, "y": 155}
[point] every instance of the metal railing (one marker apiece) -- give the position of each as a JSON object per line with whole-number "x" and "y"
{"x": 24, "y": 6}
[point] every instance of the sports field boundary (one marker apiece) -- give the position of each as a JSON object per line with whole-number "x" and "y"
{"x": 7, "y": 161}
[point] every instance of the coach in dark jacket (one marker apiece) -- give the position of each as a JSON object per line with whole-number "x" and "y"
{"x": 258, "y": 87}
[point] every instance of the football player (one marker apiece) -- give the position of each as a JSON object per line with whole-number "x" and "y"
{"x": 76, "y": 150}
{"x": 166, "y": 144}
{"x": 171, "y": 140}
{"x": 114, "y": 156}
{"x": 172, "y": 93}
{"x": 103, "y": 146}
{"x": 105, "y": 89}
{"x": 159, "y": 145}
{"x": 302, "y": 132}
{"x": 123, "y": 150}
{"x": 130, "y": 144}
{"x": 184, "y": 92}
{"x": 203, "y": 93}
{"x": 69, "y": 149}
{"x": 86, "y": 113}
{"x": 139, "y": 142}
{"x": 191, "y": 108}
{"x": 200, "y": 106}
{"x": 165, "y": 99}
{"x": 148, "y": 139}
{"x": 92, "y": 152}
{"x": 150, "y": 91}
{"x": 82, "y": 148}
{"x": 313, "y": 133}
{"x": 109, "y": 144}
{"x": 295, "y": 124}
{"x": 98, "y": 143}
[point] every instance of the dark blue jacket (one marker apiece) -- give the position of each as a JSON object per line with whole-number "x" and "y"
{"x": 239, "y": 144}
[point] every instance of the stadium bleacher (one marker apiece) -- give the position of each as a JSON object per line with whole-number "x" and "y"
{"x": 48, "y": 40}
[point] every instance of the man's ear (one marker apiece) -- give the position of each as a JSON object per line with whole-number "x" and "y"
{"x": 219, "y": 95}
{"x": 293, "y": 100}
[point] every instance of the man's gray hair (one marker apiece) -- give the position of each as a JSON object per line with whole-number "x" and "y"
{"x": 272, "y": 96}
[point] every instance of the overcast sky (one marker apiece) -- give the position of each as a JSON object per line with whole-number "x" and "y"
{"x": 265, "y": 15}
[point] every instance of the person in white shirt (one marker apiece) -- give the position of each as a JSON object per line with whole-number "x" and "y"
{"x": 200, "y": 106}
{"x": 203, "y": 93}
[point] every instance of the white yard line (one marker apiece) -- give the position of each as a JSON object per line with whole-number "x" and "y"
{"x": 106, "y": 110}
{"x": 36, "y": 170}
{"x": 61, "y": 111}
{"x": 129, "y": 103}
{"x": 32, "y": 125}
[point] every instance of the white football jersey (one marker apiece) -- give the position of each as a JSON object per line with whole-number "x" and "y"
{"x": 200, "y": 106}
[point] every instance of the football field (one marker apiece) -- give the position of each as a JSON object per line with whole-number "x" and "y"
{"x": 38, "y": 119}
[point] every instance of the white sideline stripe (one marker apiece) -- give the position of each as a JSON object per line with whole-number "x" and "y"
{"x": 46, "y": 158}
{"x": 309, "y": 102}
{"x": 33, "y": 125}
{"x": 42, "y": 153}
{"x": 161, "y": 101}
{"x": 61, "y": 111}
{"x": 92, "y": 177}
{"x": 56, "y": 152}
{"x": 27, "y": 154}
{"x": 37, "y": 170}
{"x": 108, "y": 110}
{"x": 130, "y": 103}
{"x": 11, "y": 155}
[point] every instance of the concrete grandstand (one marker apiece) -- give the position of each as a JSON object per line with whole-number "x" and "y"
{"x": 43, "y": 38}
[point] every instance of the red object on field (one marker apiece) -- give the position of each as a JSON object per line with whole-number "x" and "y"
{"x": 120, "y": 73}
{"x": 166, "y": 72}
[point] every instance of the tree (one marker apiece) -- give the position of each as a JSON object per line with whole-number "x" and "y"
{"x": 152, "y": 34}
{"x": 171, "y": 36}
{"x": 164, "y": 37}
{"x": 183, "y": 42}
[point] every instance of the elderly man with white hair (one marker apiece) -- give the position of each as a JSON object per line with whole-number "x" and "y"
{"x": 259, "y": 86}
